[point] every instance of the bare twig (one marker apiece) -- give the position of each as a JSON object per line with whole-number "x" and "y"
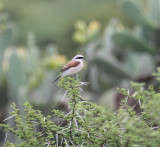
{"x": 61, "y": 141}
{"x": 79, "y": 116}
{"x": 139, "y": 102}
{"x": 81, "y": 90}
{"x": 57, "y": 139}
{"x": 66, "y": 142}
{"x": 48, "y": 144}
{"x": 6, "y": 137}
{"x": 72, "y": 143}
{"x": 64, "y": 95}
{"x": 82, "y": 83}
{"x": 76, "y": 122}
{"x": 82, "y": 143}
{"x": 8, "y": 118}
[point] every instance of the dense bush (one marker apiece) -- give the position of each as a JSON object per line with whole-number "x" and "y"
{"x": 87, "y": 124}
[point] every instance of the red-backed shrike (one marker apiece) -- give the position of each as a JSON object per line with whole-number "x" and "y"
{"x": 73, "y": 66}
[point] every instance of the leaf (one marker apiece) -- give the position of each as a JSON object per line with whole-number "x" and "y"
{"x": 135, "y": 12}
{"x": 154, "y": 11}
{"x": 93, "y": 77}
{"x": 5, "y": 41}
{"x": 139, "y": 64}
{"x": 16, "y": 76}
{"x": 114, "y": 69}
{"x": 127, "y": 40}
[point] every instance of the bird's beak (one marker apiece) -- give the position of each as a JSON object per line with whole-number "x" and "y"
{"x": 84, "y": 58}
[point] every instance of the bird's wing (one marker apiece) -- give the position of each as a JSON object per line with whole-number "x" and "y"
{"x": 70, "y": 64}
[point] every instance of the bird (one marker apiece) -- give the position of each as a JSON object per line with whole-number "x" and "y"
{"x": 73, "y": 67}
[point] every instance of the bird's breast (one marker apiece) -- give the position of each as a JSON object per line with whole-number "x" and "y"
{"x": 74, "y": 70}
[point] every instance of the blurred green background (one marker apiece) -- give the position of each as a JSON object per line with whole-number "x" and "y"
{"x": 119, "y": 38}
{"x": 52, "y": 21}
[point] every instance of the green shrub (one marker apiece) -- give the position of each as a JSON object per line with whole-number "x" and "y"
{"x": 87, "y": 124}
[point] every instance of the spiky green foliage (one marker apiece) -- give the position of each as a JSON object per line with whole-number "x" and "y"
{"x": 87, "y": 124}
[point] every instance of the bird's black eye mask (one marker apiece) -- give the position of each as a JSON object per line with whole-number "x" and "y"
{"x": 80, "y": 58}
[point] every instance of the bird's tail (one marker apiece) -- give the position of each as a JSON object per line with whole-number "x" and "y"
{"x": 57, "y": 78}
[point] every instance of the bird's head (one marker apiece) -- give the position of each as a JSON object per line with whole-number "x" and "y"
{"x": 78, "y": 58}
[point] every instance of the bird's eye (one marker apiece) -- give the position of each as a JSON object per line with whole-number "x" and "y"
{"x": 79, "y": 58}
